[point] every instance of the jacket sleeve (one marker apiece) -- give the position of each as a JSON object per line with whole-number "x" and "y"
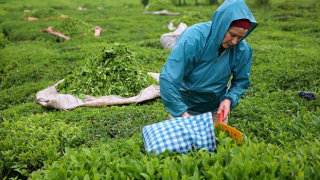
{"x": 179, "y": 63}
{"x": 240, "y": 81}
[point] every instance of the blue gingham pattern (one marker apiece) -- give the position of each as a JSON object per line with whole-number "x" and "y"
{"x": 180, "y": 135}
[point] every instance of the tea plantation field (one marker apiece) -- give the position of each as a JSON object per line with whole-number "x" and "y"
{"x": 281, "y": 130}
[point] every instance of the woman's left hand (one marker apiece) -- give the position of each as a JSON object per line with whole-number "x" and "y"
{"x": 225, "y": 106}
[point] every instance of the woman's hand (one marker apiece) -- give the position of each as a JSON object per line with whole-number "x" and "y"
{"x": 225, "y": 106}
{"x": 185, "y": 114}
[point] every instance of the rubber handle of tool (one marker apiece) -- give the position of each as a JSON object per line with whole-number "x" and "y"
{"x": 220, "y": 119}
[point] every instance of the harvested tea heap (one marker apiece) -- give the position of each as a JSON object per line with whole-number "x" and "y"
{"x": 73, "y": 27}
{"x": 113, "y": 71}
{"x": 43, "y": 13}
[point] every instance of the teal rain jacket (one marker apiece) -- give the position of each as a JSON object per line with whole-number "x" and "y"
{"x": 194, "y": 78}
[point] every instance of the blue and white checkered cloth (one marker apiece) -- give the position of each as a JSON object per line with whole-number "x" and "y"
{"x": 181, "y": 135}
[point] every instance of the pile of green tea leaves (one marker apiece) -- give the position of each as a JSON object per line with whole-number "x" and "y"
{"x": 43, "y": 13}
{"x": 73, "y": 26}
{"x": 190, "y": 18}
{"x": 113, "y": 71}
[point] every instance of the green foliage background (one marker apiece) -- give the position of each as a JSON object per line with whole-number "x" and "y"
{"x": 281, "y": 129}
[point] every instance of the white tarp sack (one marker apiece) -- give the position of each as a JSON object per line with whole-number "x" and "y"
{"x": 51, "y": 98}
{"x": 163, "y": 12}
{"x": 171, "y": 27}
{"x": 168, "y": 40}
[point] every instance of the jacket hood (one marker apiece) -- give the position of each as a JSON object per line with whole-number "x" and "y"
{"x": 229, "y": 11}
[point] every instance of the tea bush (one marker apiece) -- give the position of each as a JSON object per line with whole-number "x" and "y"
{"x": 39, "y": 136}
{"x": 145, "y": 2}
{"x": 21, "y": 72}
{"x": 262, "y": 2}
{"x": 73, "y": 27}
{"x": 2, "y": 39}
{"x": 29, "y": 142}
{"x": 159, "y": 5}
{"x": 259, "y": 160}
{"x": 191, "y": 18}
{"x": 31, "y": 30}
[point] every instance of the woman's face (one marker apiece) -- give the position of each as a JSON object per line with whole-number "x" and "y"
{"x": 233, "y": 36}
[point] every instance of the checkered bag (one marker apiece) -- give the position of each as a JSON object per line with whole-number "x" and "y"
{"x": 181, "y": 135}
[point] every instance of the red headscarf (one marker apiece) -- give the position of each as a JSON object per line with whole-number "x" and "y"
{"x": 242, "y": 23}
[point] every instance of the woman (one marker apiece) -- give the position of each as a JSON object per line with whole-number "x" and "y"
{"x": 195, "y": 78}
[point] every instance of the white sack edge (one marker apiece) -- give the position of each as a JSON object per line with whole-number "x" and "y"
{"x": 168, "y": 40}
{"x": 51, "y": 98}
